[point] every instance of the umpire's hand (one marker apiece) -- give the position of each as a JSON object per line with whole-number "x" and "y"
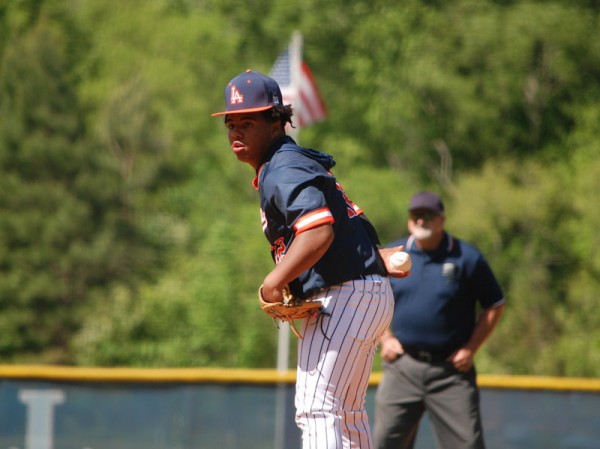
{"x": 462, "y": 359}
{"x": 391, "y": 348}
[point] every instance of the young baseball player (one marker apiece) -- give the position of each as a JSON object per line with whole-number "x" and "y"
{"x": 323, "y": 248}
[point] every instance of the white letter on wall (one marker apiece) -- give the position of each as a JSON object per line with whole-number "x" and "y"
{"x": 40, "y": 416}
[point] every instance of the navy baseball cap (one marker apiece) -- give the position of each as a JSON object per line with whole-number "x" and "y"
{"x": 250, "y": 92}
{"x": 426, "y": 200}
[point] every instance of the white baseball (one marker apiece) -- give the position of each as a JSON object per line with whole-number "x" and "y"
{"x": 400, "y": 261}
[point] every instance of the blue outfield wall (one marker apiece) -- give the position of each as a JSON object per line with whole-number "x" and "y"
{"x": 110, "y": 408}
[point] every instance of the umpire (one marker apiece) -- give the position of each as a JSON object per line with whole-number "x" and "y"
{"x": 435, "y": 333}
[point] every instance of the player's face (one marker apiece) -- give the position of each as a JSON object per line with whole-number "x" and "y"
{"x": 251, "y": 135}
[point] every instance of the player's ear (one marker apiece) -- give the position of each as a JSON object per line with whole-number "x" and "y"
{"x": 276, "y": 127}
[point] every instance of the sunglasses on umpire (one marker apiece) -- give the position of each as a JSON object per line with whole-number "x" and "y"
{"x": 423, "y": 215}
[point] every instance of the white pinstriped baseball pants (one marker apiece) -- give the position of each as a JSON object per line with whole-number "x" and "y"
{"x": 335, "y": 360}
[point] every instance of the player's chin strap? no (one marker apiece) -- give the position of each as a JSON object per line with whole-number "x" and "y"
{"x": 291, "y": 308}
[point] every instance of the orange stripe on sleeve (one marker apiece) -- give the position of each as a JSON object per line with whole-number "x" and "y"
{"x": 313, "y": 219}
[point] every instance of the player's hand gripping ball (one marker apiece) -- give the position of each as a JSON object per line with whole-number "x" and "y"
{"x": 400, "y": 261}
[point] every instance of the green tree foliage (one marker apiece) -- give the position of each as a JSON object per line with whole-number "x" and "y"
{"x": 58, "y": 233}
{"x": 503, "y": 218}
{"x": 77, "y": 211}
{"x": 129, "y": 234}
{"x": 467, "y": 80}
{"x": 577, "y": 352}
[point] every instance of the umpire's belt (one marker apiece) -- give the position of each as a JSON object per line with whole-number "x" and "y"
{"x": 427, "y": 356}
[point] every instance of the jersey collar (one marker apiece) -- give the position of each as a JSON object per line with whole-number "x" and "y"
{"x": 255, "y": 180}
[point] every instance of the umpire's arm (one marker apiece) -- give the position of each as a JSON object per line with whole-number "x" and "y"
{"x": 462, "y": 359}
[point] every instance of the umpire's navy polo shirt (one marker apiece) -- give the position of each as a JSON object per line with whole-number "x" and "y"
{"x": 436, "y": 306}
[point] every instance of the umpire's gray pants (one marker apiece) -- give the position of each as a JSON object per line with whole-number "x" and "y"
{"x": 409, "y": 387}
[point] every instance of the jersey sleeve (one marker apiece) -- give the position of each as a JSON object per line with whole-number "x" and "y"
{"x": 300, "y": 199}
{"x": 313, "y": 219}
{"x": 487, "y": 290}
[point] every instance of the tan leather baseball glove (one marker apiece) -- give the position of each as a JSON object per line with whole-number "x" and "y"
{"x": 290, "y": 308}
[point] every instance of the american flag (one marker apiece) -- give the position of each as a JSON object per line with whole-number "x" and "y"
{"x": 305, "y": 98}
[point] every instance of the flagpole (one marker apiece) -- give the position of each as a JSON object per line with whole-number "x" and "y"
{"x": 283, "y": 344}
{"x": 283, "y": 341}
{"x": 296, "y": 67}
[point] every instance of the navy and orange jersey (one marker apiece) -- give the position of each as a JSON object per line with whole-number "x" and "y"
{"x": 297, "y": 193}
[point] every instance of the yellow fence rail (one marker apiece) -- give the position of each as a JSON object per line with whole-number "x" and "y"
{"x": 257, "y": 376}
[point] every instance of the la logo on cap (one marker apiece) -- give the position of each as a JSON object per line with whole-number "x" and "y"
{"x": 250, "y": 92}
{"x": 236, "y": 96}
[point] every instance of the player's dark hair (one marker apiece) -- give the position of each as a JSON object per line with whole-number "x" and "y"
{"x": 281, "y": 113}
